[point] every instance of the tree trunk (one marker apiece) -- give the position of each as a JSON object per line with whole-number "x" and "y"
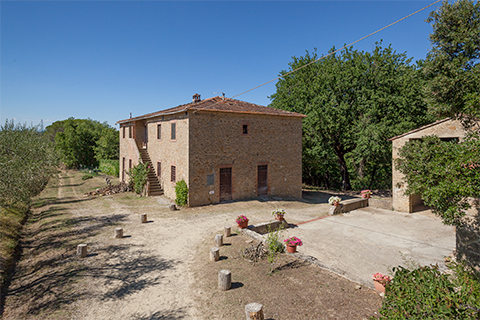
{"x": 82, "y": 250}
{"x": 224, "y": 280}
{"x": 214, "y": 254}
{"x": 254, "y": 311}
{"x": 218, "y": 240}
{"x": 344, "y": 171}
{"x": 118, "y": 233}
{"x": 227, "y": 231}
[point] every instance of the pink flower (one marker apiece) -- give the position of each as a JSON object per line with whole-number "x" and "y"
{"x": 293, "y": 241}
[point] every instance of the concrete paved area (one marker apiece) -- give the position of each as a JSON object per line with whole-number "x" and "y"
{"x": 368, "y": 240}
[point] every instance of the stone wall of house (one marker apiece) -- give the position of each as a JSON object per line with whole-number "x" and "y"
{"x": 217, "y": 141}
{"x": 169, "y": 152}
{"x": 447, "y": 129}
{"x": 128, "y": 151}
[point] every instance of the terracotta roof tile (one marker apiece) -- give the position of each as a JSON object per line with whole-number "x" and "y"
{"x": 218, "y": 104}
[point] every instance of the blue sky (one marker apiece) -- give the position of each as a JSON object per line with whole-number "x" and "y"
{"x": 105, "y": 59}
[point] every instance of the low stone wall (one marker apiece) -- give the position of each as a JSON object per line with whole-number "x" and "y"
{"x": 257, "y": 231}
{"x": 381, "y": 203}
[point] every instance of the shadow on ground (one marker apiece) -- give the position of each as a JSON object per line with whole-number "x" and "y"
{"x": 45, "y": 278}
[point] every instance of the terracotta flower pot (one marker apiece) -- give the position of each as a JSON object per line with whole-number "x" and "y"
{"x": 279, "y": 217}
{"x": 243, "y": 224}
{"x": 291, "y": 248}
{"x": 336, "y": 204}
{"x": 367, "y": 196}
{"x": 378, "y": 286}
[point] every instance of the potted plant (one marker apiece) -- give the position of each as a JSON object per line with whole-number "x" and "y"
{"x": 380, "y": 280}
{"x": 292, "y": 244}
{"x": 334, "y": 201}
{"x": 279, "y": 213}
{"x": 366, "y": 194}
{"x": 242, "y": 222}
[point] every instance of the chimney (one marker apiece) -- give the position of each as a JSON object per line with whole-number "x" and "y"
{"x": 196, "y": 97}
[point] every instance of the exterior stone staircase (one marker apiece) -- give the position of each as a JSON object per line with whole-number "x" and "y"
{"x": 154, "y": 187}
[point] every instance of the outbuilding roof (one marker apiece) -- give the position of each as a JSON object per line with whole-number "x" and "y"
{"x": 419, "y": 129}
{"x": 219, "y": 104}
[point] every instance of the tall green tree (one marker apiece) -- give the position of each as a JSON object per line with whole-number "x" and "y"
{"x": 84, "y": 142}
{"x": 27, "y": 161}
{"x": 453, "y": 63}
{"x": 107, "y": 146}
{"x": 354, "y": 101}
{"x": 450, "y": 172}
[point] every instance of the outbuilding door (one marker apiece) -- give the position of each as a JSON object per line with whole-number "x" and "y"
{"x": 225, "y": 184}
{"x": 262, "y": 181}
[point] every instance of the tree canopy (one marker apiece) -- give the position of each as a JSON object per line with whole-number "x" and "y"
{"x": 354, "y": 101}
{"x": 84, "y": 142}
{"x": 453, "y": 64}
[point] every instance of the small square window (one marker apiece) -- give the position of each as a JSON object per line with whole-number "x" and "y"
{"x": 173, "y": 174}
{"x": 245, "y": 129}
{"x": 210, "y": 179}
{"x": 159, "y": 131}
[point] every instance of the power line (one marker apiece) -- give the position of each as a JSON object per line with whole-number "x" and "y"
{"x": 345, "y": 46}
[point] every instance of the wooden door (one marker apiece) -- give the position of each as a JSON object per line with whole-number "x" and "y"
{"x": 225, "y": 184}
{"x": 262, "y": 180}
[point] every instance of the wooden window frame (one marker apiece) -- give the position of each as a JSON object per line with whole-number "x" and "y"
{"x": 173, "y": 173}
{"x": 245, "y": 125}
{"x": 159, "y": 131}
{"x": 173, "y": 130}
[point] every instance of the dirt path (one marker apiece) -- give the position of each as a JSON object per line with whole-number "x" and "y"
{"x": 145, "y": 275}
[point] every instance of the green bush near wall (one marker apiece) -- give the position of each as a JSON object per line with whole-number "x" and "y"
{"x": 181, "y": 191}
{"x": 110, "y": 167}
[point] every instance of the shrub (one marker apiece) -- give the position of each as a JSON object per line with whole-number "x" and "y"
{"x": 138, "y": 176}
{"x": 110, "y": 167}
{"x": 427, "y": 293}
{"x": 87, "y": 176}
{"x": 181, "y": 191}
{"x": 274, "y": 247}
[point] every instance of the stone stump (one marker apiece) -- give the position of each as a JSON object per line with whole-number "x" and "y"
{"x": 143, "y": 218}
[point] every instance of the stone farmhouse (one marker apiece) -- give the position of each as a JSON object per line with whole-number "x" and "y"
{"x": 224, "y": 149}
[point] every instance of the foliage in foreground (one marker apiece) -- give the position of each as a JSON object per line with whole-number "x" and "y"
{"x": 138, "y": 177}
{"x": 427, "y": 293}
{"x": 444, "y": 174}
{"x": 181, "y": 192}
{"x": 27, "y": 161}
